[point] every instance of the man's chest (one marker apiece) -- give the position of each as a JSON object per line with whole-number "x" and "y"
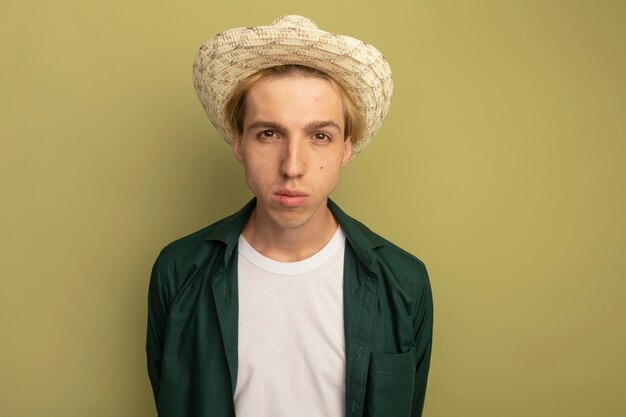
{"x": 291, "y": 344}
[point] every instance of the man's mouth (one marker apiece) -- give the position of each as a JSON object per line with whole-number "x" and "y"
{"x": 290, "y": 198}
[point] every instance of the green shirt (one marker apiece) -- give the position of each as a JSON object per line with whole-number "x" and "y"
{"x": 192, "y": 323}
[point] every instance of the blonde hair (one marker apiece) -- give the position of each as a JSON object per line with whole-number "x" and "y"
{"x": 236, "y": 104}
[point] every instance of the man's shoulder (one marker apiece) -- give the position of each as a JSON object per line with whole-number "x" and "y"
{"x": 180, "y": 261}
{"x": 402, "y": 276}
{"x": 388, "y": 252}
{"x": 189, "y": 242}
{"x": 402, "y": 267}
{"x": 367, "y": 242}
{"x": 196, "y": 245}
{"x": 221, "y": 233}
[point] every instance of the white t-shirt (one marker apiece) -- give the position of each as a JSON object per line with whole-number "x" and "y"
{"x": 291, "y": 349}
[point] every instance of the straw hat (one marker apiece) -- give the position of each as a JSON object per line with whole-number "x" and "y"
{"x": 235, "y": 54}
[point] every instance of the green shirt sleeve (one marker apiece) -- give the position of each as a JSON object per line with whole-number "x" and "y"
{"x": 423, "y": 325}
{"x": 157, "y": 315}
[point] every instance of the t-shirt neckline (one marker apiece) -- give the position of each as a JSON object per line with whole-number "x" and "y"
{"x": 336, "y": 243}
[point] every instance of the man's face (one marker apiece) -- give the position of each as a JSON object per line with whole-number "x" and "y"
{"x": 292, "y": 147}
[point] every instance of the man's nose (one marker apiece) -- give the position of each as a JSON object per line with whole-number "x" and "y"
{"x": 293, "y": 163}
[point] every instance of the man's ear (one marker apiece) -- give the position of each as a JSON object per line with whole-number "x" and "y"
{"x": 237, "y": 147}
{"x": 347, "y": 151}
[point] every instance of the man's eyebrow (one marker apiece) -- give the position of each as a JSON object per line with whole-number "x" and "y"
{"x": 264, "y": 124}
{"x": 314, "y": 125}
{"x": 323, "y": 124}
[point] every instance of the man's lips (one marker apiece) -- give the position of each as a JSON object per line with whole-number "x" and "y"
{"x": 290, "y": 198}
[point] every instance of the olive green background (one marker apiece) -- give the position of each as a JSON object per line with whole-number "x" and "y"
{"x": 502, "y": 165}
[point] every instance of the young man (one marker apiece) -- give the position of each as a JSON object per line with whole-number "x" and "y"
{"x": 290, "y": 307}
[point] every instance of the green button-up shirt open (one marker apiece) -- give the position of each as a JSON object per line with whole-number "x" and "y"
{"x": 193, "y": 323}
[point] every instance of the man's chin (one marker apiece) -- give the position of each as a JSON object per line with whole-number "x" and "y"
{"x": 290, "y": 219}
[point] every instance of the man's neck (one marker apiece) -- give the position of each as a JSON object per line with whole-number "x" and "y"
{"x": 289, "y": 244}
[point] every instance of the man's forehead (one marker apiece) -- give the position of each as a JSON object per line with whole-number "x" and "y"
{"x": 295, "y": 80}
{"x": 309, "y": 102}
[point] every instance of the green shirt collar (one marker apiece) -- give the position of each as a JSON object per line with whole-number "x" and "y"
{"x": 363, "y": 240}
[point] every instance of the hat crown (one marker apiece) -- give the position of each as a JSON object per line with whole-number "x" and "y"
{"x": 294, "y": 21}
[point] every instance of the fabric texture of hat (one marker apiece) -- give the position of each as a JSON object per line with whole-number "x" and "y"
{"x": 233, "y": 55}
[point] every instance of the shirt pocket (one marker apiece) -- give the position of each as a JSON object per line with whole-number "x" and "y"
{"x": 390, "y": 380}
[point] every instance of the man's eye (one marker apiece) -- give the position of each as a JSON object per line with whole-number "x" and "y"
{"x": 268, "y": 134}
{"x": 321, "y": 137}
